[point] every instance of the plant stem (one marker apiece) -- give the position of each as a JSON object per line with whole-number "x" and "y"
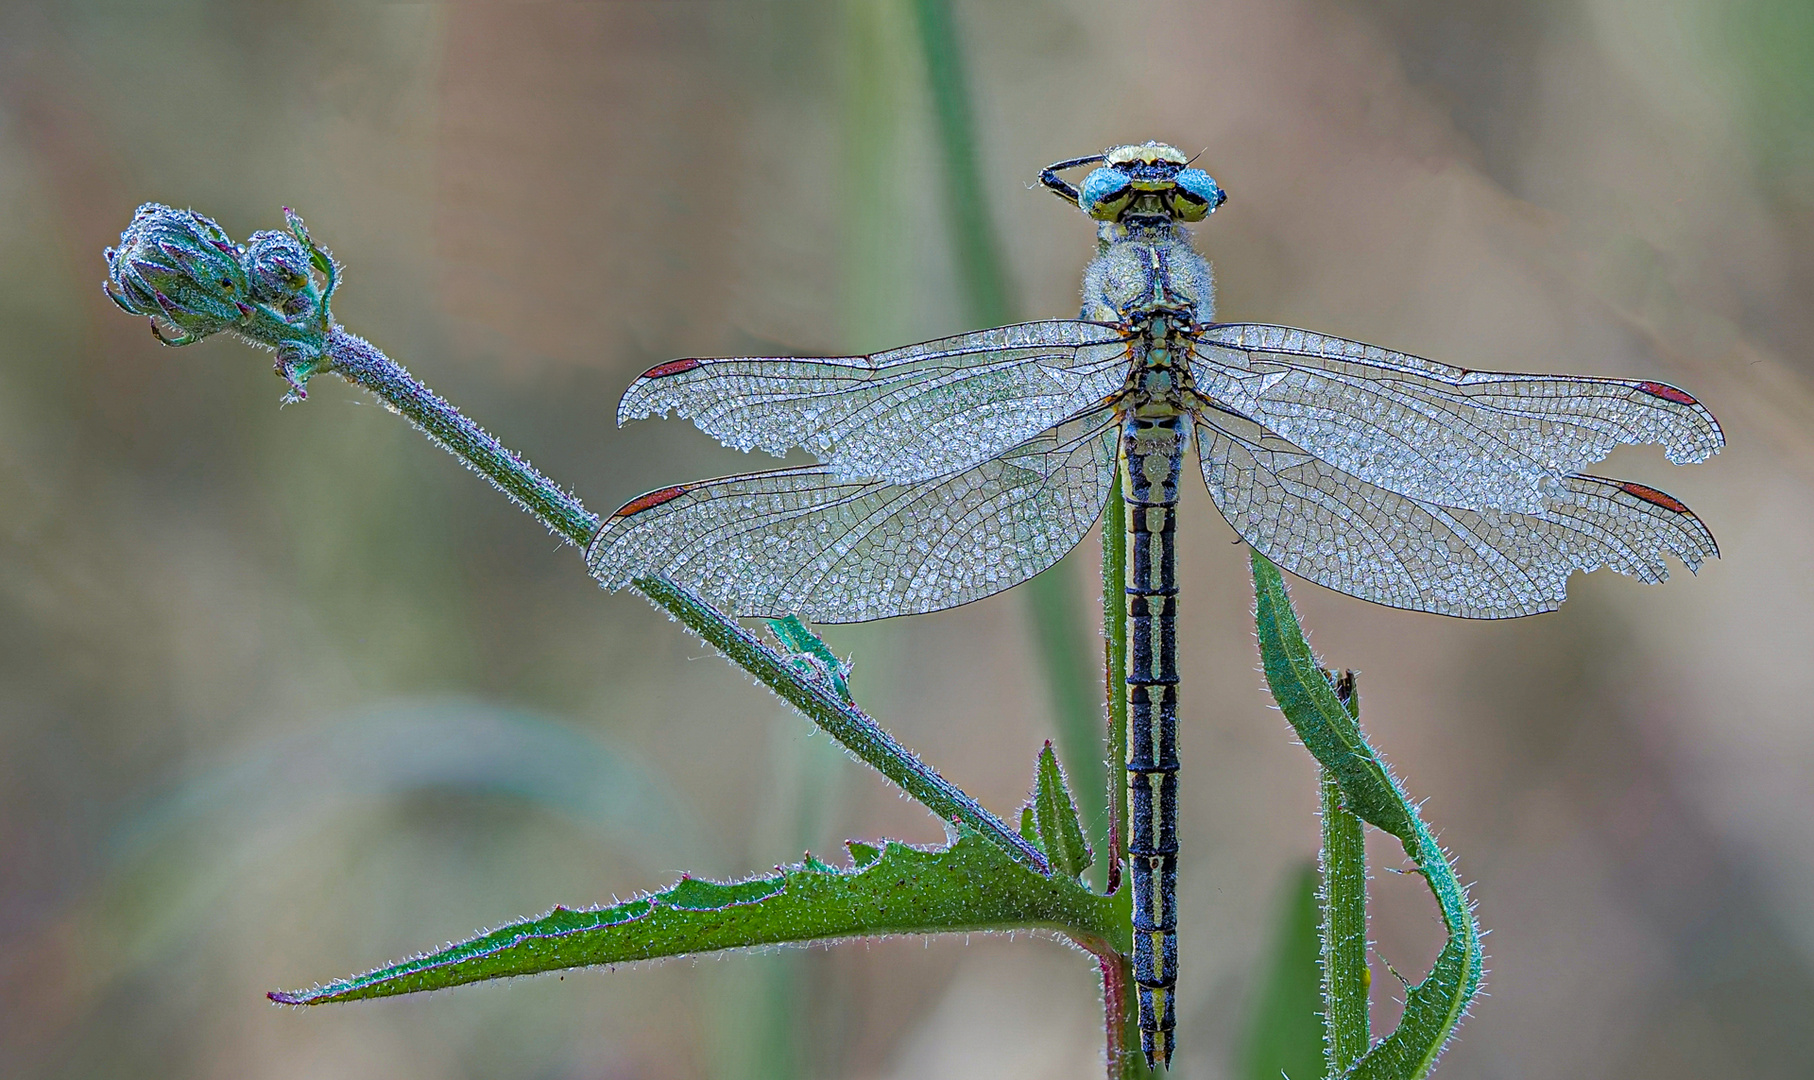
{"x": 1121, "y": 1010}
{"x": 842, "y": 720}
{"x": 1121, "y": 1019}
{"x": 1114, "y": 670}
{"x": 358, "y": 361}
{"x": 1346, "y": 980}
{"x": 972, "y": 232}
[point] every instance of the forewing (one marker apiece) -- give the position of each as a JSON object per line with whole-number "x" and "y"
{"x": 1327, "y": 525}
{"x": 807, "y": 542}
{"x": 904, "y": 415}
{"x": 1468, "y": 439}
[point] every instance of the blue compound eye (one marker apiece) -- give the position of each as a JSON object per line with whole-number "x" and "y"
{"x": 1105, "y": 193}
{"x": 1195, "y": 196}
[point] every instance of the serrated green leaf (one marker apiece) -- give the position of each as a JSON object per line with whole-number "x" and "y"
{"x": 1055, "y": 815}
{"x": 971, "y": 885}
{"x": 1436, "y": 1006}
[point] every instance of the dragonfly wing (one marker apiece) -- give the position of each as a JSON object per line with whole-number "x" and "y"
{"x": 1336, "y": 529}
{"x": 904, "y": 415}
{"x": 807, "y": 542}
{"x": 1444, "y": 435}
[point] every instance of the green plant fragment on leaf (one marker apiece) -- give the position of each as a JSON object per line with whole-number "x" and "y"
{"x": 808, "y": 653}
{"x": 692, "y": 894}
{"x": 861, "y": 854}
{"x": 972, "y": 885}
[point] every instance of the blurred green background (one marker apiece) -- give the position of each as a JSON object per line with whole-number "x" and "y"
{"x": 285, "y": 694}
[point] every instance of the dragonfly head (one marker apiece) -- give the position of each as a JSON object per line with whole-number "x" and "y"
{"x": 1149, "y": 182}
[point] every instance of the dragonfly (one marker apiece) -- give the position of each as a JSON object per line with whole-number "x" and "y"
{"x": 954, "y": 469}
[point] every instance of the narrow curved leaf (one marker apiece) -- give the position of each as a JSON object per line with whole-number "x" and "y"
{"x": 1435, "y": 1007}
{"x": 971, "y": 885}
{"x": 1051, "y": 598}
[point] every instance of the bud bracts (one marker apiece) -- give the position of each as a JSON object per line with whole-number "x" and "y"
{"x": 180, "y": 268}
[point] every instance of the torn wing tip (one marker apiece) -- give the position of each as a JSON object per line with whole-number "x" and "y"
{"x": 637, "y": 405}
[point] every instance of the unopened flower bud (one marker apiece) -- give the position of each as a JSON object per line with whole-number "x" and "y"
{"x": 181, "y": 268}
{"x": 278, "y": 269}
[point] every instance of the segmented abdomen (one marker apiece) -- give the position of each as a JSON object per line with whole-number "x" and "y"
{"x": 1152, "y": 451}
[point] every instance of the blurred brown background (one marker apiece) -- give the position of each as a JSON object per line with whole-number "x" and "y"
{"x": 285, "y": 694}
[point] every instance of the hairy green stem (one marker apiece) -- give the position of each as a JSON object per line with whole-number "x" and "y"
{"x": 1114, "y": 668}
{"x": 1124, "y": 1058}
{"x": 362, "y": 363}
{"x": 1346, "y": 980}
{"x": 841, "y": 719}
{"x": 358, "y": 361}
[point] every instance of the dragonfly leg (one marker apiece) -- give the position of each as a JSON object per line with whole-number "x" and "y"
{"x": 1049, "y": 176}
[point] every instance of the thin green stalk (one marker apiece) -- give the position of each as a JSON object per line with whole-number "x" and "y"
{"x": 358, "y": 361}
{"x": 1051, "y": 599}
{"x": 841, "y": 719}
{"x": 1346, "y": 979}
{"x": 1122, "y": 1019}
{"x": 1284, "y": 1034}
{"x": 1114, "y": 667}
{"x": 973, "y": 234}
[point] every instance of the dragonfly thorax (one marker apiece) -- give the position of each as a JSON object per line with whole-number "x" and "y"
{"x": 1140, "y": 273}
